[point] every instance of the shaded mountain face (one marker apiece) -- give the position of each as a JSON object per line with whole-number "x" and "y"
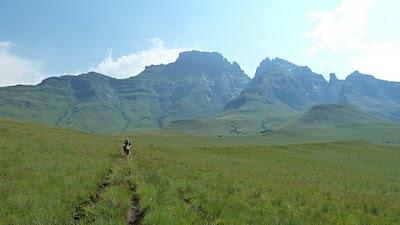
{"x": 197, "y": 85}
{"x": 202, "y": 84}
{"x": 295, "y": 86}
{"x": 281, "y": 85}
{"x": 367, "y": 93}
{"x": 280, "y": 89}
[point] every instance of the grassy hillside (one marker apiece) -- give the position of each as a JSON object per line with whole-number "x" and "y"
{"x": 46, "y": 172}
{"x": 315, "y": 176}
{"x": 214, "y": 127}
{"x": 331, "y": 115}
{"x": 195, "y": 181}
{"x": 333, "y": 119}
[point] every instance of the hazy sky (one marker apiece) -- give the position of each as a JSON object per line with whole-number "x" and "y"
{"x": 45, "y": 38}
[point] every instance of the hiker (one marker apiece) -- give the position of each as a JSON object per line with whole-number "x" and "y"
{"x": 127, "y": 147}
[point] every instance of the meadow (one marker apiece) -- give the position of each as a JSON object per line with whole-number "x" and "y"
{"x": 352, "y": 182}
{"x": 57, "y": 176}
{"x": 46, "y": 172}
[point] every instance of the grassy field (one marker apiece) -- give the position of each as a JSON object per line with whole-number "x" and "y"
{"x": 350, "y": 182}
{"x": 51, "y": 175}
{"x": 46, "y": 172}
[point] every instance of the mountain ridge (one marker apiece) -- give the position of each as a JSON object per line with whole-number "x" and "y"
{"x": 198, "y": 85}
{"x": 93, "y": 102}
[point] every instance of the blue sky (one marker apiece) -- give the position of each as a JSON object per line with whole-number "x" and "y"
{"x": 44, "y": 38}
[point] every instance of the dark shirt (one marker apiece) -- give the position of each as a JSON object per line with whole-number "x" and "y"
{"x": 127, "y": 143}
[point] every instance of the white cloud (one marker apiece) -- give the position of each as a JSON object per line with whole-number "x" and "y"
{"x": 132, "y": 64}
{"x": 15, "y": 69}
{"x": 5, "y": 45}
{"x": 343, "y": 30}
{"x": 380, "y": 59}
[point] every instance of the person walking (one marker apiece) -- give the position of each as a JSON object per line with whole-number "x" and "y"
{"x": 127, "y": 146}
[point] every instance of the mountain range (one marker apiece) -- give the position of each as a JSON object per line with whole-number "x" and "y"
{"x": 203, "y": 90}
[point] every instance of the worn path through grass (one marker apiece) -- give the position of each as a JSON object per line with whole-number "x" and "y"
{"x": 116, "y": 200}
{"x": 57, "y": 176}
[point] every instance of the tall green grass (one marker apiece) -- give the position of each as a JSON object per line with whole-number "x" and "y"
{"x": 45, "y": 172}
{"x": 351, "y": 182}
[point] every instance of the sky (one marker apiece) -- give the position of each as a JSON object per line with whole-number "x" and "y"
{"x": 118, "y": 38}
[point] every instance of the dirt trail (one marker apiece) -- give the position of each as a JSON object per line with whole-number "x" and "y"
{"x": 135, "y": 213}
{"x": 79, "y": 213}
{"x": 198, "y": 209}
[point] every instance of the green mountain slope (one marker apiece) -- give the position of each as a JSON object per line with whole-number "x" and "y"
{"x": 199, "y": 90}
{"x": 331, "y": 115}
{"x": 325, "y": 116}
{"x": 215, "y": 127}
{"x": 197, "y": 85}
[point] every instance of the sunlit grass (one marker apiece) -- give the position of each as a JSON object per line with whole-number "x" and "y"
{"x": 47, "y": 172}
{"x": 322, "y": 183}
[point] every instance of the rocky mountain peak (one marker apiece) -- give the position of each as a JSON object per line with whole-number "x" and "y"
{"x": 356, "y": 75}
{"x": 213, "y": 64}
{"x": 332, "y": 77}
{"x": 196, "y": 57}
{"x": 282, "y": 66}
